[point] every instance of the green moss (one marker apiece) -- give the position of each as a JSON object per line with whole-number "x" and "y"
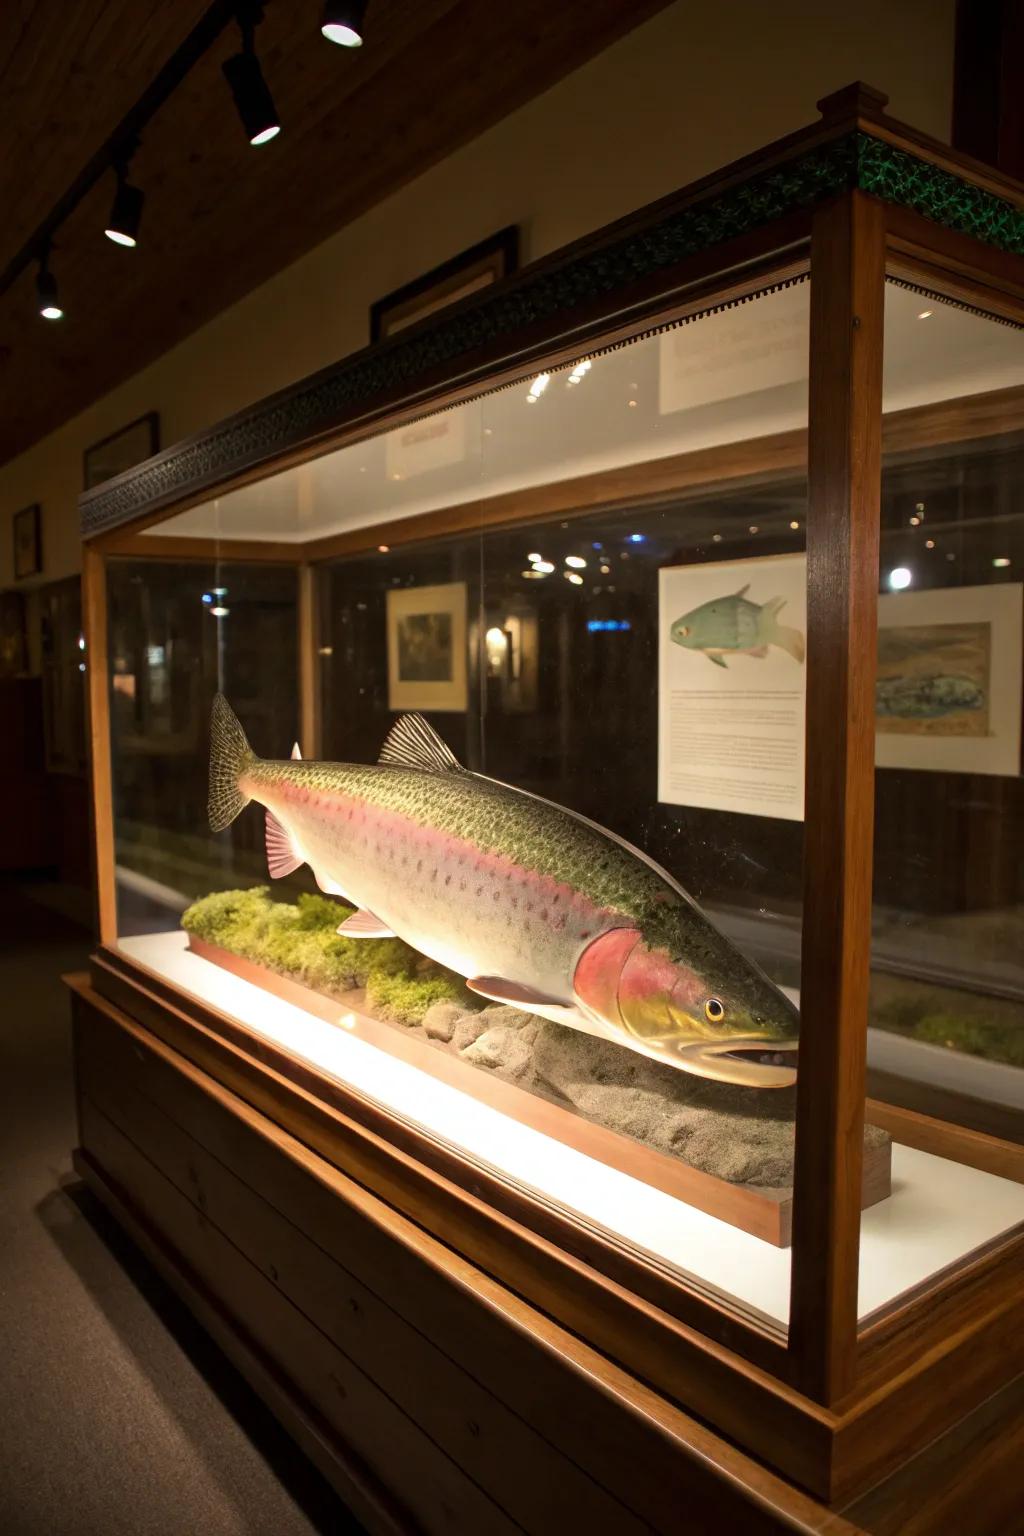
{"x": 405, "y": 999}
{"x": 973, "y": 1036}
{"x": 299, "y": 940}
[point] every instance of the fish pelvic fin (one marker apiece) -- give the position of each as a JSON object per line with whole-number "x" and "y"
{"x": 230, "y": 756}
{"x": 718, "y": 661}
{"x": 773, "y": 633}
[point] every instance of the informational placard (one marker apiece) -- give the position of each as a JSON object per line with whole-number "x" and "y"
{"x": 424, "y": 446}
{"x": 737, "y": 352}
{"x": 731, "y": 666}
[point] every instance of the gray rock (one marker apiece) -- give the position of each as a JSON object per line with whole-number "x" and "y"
{"x": 504, "y": 1047}
{"x": 440, "y": 1020}
{"x": 739, "y": 1134}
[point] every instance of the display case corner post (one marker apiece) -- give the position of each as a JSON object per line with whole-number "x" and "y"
{"x": 94, "y": 616}
{"x": 844, "y": 482}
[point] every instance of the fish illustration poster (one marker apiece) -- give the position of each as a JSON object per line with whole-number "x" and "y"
{"x": 732, "y": 640}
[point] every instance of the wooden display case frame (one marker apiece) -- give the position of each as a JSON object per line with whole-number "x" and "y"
{"x": 833, "y": 1406}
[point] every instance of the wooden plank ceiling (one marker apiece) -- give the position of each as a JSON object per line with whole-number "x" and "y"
{"x": 220, "y": 216}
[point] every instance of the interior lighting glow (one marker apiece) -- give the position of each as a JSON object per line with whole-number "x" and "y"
{"x": 81, "y": 642}
{"x": 597, "y": 626}
{"x": 925, "y": 314}
{"x": 900, "y": 578}
{"x": 535, "y": 558}
{"x": 220, "y": 612}
{"x": 637, "y": 538}
{"x": 716, "y": 538}
{"x": 754, "y": 528}
{"x": 382, "y": 549}
{"x": 538, "y": 387}
{"x": 47, "y": 295}
{"x": 794, "y": 524}
{"x": 576, "y": 562}
{"x": 579, "y": 372}
{"x": 929, "y": 543}
{"x": 533, "y": 574}
{"x": 1001, "y": 562}
{"x": 915, "y": 522}
{"x": 605, "y": 569}
{"x": 577, "y": 581}
{"x": 545, "y": 567}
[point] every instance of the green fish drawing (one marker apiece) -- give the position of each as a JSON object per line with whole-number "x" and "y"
{"x": 535, "y": 905}
{"x": 734, "y": 626}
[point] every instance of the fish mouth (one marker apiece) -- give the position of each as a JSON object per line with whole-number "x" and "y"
{"x": 748, "y": 1062}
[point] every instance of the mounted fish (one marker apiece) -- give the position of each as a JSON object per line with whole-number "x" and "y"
{"x": 535, "y": 905}
{"x": 734, "y": 626}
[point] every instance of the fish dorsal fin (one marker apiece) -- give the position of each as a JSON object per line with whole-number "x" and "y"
{"x": 283, "y": 858}
{"x": 296, "y": 754}
{"x": 412, "y": 743}
{"x": 742, "y": 591}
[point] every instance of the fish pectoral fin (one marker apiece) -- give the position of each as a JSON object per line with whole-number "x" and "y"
{"x": 412, "y": 743}
{"x": 365, "y": 925}
{"x": 516, "y": 993}
{"x": 283, "y": 858}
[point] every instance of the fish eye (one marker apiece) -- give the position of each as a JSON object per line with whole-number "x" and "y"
{"x": 683, "y": 629}
{"x": 714, "y": 1011}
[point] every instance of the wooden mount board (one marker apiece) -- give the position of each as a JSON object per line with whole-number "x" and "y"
{"x": 763, "y": 1212}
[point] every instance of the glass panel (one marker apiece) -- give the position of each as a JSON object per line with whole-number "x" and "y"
{"x": 947, "y": 998}
{"x": 592, "y": 587}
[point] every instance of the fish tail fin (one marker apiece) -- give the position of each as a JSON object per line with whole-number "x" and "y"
{"x": 789, "y": 639}
{"x": 230, "y": 755}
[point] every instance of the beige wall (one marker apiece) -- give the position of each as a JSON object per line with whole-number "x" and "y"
{"x": 682, "y": 95}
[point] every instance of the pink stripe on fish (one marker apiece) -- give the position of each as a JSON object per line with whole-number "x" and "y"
{"x": 553, "y": 900}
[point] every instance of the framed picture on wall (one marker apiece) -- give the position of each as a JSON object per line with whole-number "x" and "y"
{"x": 427, "y": 647}
{"x": 122, "y": 450}
{"x": 28, "y": 542}
{"x": 469, "y": 272}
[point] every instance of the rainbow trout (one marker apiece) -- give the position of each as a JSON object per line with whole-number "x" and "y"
{"x": 535, "y": 905}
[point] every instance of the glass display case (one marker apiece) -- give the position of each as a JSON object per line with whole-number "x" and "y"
{"x": 579, "y": 741}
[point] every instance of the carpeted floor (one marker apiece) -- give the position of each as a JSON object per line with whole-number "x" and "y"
{"x": 117, "y": 1413}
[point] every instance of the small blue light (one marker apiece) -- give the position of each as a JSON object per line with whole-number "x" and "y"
{"x": 637, "y": 538}
{"x": 207, "y": 597}
{"x": 600, "y": 626}
{"x": 597, "y": 544}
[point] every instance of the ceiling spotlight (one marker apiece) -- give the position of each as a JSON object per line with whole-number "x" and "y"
{"x": 577, "y": 581}
{"x": 576, "y": 562}
{"x": 343, "y": 22}
{"x": 544, "y": 566}
{"x": 243, "y": 74}
{"x": 900, "y": 578}
{"x": 538, "y": 387}
{"x": 125, "y": 213}
{"x": 46, "y": 292}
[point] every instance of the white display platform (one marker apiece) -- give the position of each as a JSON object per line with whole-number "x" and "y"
{"x": 938, "y": 1211}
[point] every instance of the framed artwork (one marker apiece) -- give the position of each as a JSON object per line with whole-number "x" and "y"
{"x": 427, "y": 647}
{"x": 28, "y": 542}
{"x": 948, "y": 694}
{"x": 13, "y": 643}
{"x": 122, "y": 450}
{"x": 469, "y": 272}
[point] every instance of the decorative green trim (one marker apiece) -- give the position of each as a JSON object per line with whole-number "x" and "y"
{"x": 896, "y": 176}
{"x": 500, "y": 316}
